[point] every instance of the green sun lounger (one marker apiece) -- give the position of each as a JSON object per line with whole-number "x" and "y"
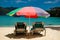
{"x": 20, "y": 27}
{"x": 38, "y": 27}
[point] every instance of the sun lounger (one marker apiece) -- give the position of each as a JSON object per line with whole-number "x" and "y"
{"x": 38, "y": 27}
{"x": 20, "y": 27}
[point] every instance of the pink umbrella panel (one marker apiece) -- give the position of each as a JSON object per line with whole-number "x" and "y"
{"x": 32, "y": 12}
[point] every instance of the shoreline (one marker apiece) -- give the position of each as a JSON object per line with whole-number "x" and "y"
{"x": 44, "y": 26}
{"x": 51, "y": 25}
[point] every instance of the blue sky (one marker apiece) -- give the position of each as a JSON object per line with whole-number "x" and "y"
{"x": 44, "y": 4}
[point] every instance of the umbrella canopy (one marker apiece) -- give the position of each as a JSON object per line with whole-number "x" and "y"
{"x": 29, "y": 12}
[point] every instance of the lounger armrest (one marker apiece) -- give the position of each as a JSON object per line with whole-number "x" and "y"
{"x": 15, "y": 26}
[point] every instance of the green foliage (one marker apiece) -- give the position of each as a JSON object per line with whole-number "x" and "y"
{"x": 4, "y": 11}
{"x": 54, "y": 12}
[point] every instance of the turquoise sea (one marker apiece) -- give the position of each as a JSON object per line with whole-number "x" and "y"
{"x": 11, "y": 21}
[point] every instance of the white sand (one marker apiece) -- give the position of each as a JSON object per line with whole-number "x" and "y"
{"x": 51, "y": 34}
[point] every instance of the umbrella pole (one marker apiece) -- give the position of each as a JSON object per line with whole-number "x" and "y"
{"x": 29, "y": 20}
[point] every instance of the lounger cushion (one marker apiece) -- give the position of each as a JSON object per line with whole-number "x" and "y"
{"x": 38, "y": 25}
{"x": 20, "y": 25}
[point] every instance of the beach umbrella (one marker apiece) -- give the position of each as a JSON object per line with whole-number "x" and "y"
{"x": 29, "y": 12}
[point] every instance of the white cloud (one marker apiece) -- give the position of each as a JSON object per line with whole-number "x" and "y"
{"x": 20, "y": 1}
{"x": 49, "y": 2}
{"x": 17, "y": 1}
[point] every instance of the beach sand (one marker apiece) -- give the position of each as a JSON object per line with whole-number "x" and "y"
{"x": 6, "y": 33}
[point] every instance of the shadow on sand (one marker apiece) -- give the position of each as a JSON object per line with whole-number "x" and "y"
{"x": 22, "y": 35}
